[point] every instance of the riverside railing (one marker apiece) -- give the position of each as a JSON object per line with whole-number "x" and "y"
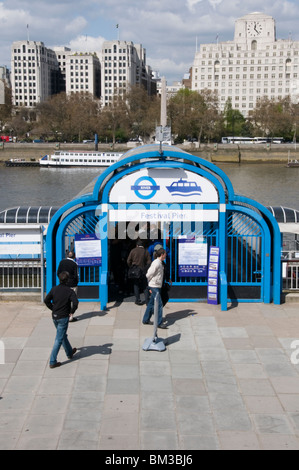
{"x": 291, "y": 275}
{"x": 22, "y": 275}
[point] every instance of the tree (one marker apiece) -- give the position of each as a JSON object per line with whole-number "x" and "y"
{"x": 295, "y": 119}
{"x": 143, "y": 112}
{"x": 53, "y": 116}
{"x": 83, "y": 112}
{"x": 205, "y": 115}
{"x": 23, "y": 122}
{"x": 179, "y": 112}
{"x": 6, "y": 107}
{"x": 273, "y": 117}
{"x": 195, "y": 114}
{"x": 71, "y": 117}
{"x": 114, "y": 117}
{"x": 235, "y": 123}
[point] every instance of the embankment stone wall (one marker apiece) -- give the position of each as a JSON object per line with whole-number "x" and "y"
{"x": 216, "y": 153}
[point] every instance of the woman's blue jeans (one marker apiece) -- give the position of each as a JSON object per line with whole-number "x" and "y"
{"x": 61, "y": 326}
{"x": 150, "y": 306}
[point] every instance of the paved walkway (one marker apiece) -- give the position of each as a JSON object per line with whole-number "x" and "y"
{"x": 225, "y": 380}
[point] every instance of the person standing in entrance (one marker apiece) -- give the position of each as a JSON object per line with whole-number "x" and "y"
{"x": 155, "y": 280}
{"x": 63, "y": 302}
{"x": 139, "y": 256}
{"x": 69, "y": 264}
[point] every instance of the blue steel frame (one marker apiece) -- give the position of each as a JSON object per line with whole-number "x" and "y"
{"x": 162, "y": 164}
{"x": 227, "y": 201}
{"x": 210, "y": 233}
{"x": 266, "y": 251}
{"x": 60, "y": 246}
{"x": 86, "y": 223}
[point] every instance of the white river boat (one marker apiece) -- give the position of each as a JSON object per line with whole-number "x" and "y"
{"x": 63, "y": 159}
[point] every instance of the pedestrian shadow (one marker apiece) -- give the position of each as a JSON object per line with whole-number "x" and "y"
{"x": 116, "y": 304}
{"x": 87, "y": 351}
{"x": 87, "y": 315}
{"x": 174, "y": 316}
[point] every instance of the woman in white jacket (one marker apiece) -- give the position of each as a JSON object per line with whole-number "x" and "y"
{"x": 155, "y": 280}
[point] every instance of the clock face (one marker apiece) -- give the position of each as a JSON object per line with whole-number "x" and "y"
{"x": 254, "y": 29}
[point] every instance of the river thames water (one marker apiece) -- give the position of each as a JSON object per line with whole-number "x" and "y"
{"x": 269, "y": 184}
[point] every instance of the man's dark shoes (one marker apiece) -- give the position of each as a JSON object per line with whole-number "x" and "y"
{"x": 73, "y": 319}
{"x": 53, "y": 366}
{"x": 73, "y": 352}
{"x": 163, "y": 326}
{"x": 139, "y": 302}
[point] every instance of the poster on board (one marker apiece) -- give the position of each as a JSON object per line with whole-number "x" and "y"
{"x": 213, "y": 275}
{"x": 88, "y": 250}
{"x": 193, "y": 255}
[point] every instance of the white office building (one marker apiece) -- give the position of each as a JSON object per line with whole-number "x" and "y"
{"x": 61, "y": 53}
{"x": 34, "y": 70}
{"x": 123, "y": 64}
{"x": 83, "y": 73}
{"x": 254, "y": 65}
{"x": 38, "y": 72}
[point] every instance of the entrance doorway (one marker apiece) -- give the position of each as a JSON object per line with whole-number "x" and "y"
{"x": 190, "y": 285}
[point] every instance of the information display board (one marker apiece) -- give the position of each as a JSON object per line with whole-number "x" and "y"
{"x": 213, "y": 275}
{"x": 88, "y": 250}
{"x": 20, "y": 242}
{"x": 193, "y": 255}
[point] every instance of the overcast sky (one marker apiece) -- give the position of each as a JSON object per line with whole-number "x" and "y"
{"x": 167, "y": 29}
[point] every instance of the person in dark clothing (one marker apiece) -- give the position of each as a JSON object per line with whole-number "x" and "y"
{"x": 63, "y": 302}
{"x": 139, "y": 256}
{"x": 69, "y": 264}
{"x": 166, "y": 285}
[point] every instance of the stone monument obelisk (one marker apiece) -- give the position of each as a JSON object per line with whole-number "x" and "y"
{"x": 163, "y": 103}
{"x": 163, "y": 132}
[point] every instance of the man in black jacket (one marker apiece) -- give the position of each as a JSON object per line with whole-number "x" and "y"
{"x": 63, "y": 302}
{"x": 69, "y": 264}
{"x": 139, "y": 256}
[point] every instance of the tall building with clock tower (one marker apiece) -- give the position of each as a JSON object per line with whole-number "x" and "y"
{"x": 254, "y": 65}
{"x": 255, "y": 26}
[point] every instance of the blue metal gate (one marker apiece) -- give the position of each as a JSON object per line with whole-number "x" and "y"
{"x": 245, "y": 263}
{"x": 245, "y": 259}
{"x": 189, "y": 288}
{"x": 89, "y": 276}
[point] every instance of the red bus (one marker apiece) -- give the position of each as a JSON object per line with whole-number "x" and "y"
{"x": 5, "y": 138}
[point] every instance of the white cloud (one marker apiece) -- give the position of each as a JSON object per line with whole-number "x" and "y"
{"x": 77, "y": 24}
{"x": 168, "y": 67}
{"x": 12, "y": 20}
{"x": 214, "y": 3}
{"x": 192, "y": 3}
{"x": 167, "y": 29}
{"x": 86, "y": 44}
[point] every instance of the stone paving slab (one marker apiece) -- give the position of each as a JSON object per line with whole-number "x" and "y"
{"x": 227, "y": 380}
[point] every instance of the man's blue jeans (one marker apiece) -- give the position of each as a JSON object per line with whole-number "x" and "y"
{"x": 61, "y": 326}
{"x": 150, "y": 306}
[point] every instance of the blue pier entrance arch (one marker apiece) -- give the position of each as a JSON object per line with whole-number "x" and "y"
{"x": 184, "y": 198}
